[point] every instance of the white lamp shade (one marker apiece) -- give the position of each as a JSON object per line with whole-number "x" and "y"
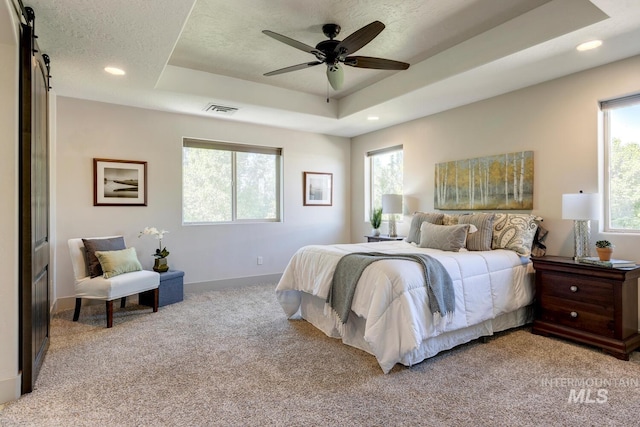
{"x": 581, "y": 206}
{"x": 392, "y": 203}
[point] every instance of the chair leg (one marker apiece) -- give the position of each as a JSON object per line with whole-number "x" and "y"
{"x": 123, "y": 302}
{"x": 156, "y": 299}
{"x": 76, "y": 312}
{"x": 109, "y": 314}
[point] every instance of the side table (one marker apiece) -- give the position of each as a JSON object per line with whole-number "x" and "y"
{"x": 590, "y": 304}
{"x": 171, "y": 289}
{"x": 383, "y": 238}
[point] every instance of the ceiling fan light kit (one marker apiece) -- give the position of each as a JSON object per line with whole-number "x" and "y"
{"x": 333, "y": 52}
{"x": 335, "y": 74}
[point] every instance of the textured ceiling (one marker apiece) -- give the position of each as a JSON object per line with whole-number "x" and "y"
{"x": 223, "y": 37}
{"x": 181, "y": 55}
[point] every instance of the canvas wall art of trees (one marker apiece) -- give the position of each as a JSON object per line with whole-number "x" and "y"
{"x": 504, "y": 181}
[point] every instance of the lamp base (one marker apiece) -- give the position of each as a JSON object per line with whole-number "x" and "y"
{"x": 392, "y": 227}
{"x": 581, "y": 234}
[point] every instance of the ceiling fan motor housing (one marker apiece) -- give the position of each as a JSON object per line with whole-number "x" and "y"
{"x": 331, "y": 30}
{"x": 328, "y": 48}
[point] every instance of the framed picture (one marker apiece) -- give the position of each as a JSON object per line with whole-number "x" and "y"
{"x": 503, "y": 182}
{"x": 318, "y": 189}
{"x": 119, "y": 182}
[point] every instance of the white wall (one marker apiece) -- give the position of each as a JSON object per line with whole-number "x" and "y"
{"x": 558, "y": 120}
{"x": 207, "y": 253}
{"x": 9, "y": 375}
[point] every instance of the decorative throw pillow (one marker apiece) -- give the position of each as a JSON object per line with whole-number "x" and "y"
{"x": 416, "y": 222}
{"x": 482, "y": 239}
{"x": 514, "y": 232}
{"x": 452, "y": 219}
{"x": 118, "y": 262}
{"x": 444, "y": 237}
{"x": 92, "y": 245}
{"x": 538, "y": 248}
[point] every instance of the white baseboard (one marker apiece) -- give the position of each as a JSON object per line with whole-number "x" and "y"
{"x": 69, "y": 303}
{"x": 62, "y": 304}
{"x": 10, "y": 389}
{"x": 232, "y": 283}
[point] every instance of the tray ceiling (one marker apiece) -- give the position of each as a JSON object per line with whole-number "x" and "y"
{"x": 183, "y": 55}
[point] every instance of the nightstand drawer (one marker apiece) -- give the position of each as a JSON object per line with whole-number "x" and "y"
{"x": 578, "y": 288}
{"x": 586, "y": 317}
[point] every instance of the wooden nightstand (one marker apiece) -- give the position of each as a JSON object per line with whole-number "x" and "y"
{"x": 383, "y": 238}
{"x": 590, "y": 304}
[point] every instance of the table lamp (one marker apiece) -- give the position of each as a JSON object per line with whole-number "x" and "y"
{"x": 581, "y": 208}
{"x": 392, "y": 205}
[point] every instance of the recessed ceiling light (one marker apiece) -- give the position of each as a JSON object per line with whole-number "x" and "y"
{"x": 115, "y": 71}
{"x": 589, "y": 45}
{"x": 373, "y": 118}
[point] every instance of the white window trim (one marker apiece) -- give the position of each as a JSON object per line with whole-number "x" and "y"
{"x": 368, "y": 171}
{"x": 605, "y": 107}
{"x": 236, "y": 148}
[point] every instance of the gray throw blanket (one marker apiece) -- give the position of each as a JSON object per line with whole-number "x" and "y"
{"x": 350, "y": 267}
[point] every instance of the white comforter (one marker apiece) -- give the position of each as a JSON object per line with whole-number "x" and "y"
{"x": 392, "y": 297}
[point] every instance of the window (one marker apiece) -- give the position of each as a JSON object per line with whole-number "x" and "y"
{"x": 385, "y": 174}
{"x": 622, "y": 163}
{"x": 223, "y": 182}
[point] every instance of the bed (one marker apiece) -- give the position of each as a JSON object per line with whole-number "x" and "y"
{"x": 390, "y": 316}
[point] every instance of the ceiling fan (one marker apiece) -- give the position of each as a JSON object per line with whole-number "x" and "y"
{"x": 333, "y": 52}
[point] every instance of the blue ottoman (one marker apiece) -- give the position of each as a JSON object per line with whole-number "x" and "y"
{"x": 171, "y": 289}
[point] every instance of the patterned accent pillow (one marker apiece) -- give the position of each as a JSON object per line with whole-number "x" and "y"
{"x": 444, "y": 237}
{"x": 416, "y": 222}
{"x": 93, "y": 245}
{"x": 482, "y": 239}
{"x": 514, "y": 232}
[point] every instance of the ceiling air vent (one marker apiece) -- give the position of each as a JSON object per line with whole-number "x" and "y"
{"x": 220, "y": 109}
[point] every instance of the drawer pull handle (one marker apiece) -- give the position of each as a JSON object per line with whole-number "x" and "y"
{"x": 574, "y": 288}
{"x": 574, "y": 314}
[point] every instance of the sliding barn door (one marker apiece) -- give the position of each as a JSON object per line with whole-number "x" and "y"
{"x": 34, "y": 209}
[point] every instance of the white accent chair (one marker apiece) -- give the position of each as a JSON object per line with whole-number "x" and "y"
{"x": 108, "y": 290}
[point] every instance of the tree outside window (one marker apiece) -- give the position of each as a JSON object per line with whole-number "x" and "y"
{"x": 622, "y": 165}
{"x": 225, "y": 182}
{"x": 386, "y": 174}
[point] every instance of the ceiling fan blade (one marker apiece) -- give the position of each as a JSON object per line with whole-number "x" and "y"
{"x": 377, "y": 63}
{"x": 335, "y": 74}
{"x": 360, "y": 38}
{"x": 295, "y": 43}
{"x": 293, "y": 68}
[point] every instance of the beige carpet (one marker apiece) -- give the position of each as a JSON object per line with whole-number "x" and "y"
{"x": 229, "y": 358}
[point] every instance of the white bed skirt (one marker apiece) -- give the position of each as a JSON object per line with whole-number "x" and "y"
{"x": 312, "y": 310}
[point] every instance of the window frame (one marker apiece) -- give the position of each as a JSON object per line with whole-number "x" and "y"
{"x": 369, "y": 170}
{"x": 606, "y": 107}
{"x": 235, "y": 148}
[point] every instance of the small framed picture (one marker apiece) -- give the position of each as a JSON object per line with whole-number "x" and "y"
{"x": 318, "y": 189}
{"x": 119, "y": 182}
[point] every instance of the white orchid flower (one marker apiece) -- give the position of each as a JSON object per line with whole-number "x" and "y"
{"x": 158, "y": 234}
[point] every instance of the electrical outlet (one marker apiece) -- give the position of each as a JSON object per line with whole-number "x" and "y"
{"x": 259, "y": 260}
